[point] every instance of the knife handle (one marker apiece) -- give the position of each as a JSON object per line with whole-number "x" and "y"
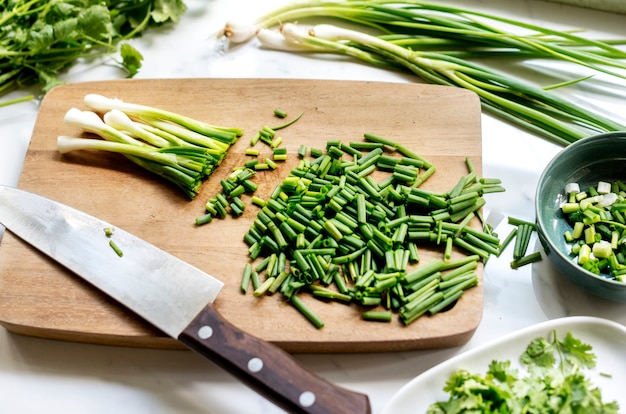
{"x": 267, "y": 369}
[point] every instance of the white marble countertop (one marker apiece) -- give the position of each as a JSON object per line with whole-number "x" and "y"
{"x": 38, "y": 375}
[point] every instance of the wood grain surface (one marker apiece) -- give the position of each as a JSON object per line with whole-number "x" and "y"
{"x": 40, "y": 298}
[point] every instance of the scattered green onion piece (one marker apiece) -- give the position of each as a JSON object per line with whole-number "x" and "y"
{"x": 264, "y": 287}
{"x": 280, "y": 113}
{"x": 509, "y": 238}
{"x": 301, "y": 306}
{"x": 116, "y": 248}
{"x": 271, "y": 164}
{"x": 276, "y": 142}
{"x": 522, "y": 240}
{"x": 204, "y": 219}
{"x": 246, "y": 276}
{"x": 378, "y": 316}
{"x": 328, "y": 294}
{"x": 285, "y": 125}
{"x": 527, "y": 259}
{"x": 438, "y": 307}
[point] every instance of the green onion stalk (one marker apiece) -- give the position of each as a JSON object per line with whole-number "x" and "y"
{"x": 181, "y": 150}
{"x": 437, "y": 42}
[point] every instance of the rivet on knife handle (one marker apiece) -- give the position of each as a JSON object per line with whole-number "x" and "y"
{"x": 268, "y": 369}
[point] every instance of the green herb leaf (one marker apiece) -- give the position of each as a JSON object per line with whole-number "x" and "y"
{"x": 95, "y": 22}
{"x": 575, "y": 352}
{"x": 40, "y": 40}
{"x": 48, "y": 80}
{"x": 131, "y": 59}
{"x": 554, "y": 383}
{"x": 165, "y": 10}
{"x": 539, "y": 353}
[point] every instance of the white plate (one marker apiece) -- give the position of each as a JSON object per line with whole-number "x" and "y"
{"x": 607, "y": 338}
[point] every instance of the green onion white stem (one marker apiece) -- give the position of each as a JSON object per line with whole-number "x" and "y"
{"x": 90, "y": 121}
{"x": 120, "y": 121}
{"x": 238, "y": 31}
{"x": 100, "y": 103}
{"x": 67, "y": 144}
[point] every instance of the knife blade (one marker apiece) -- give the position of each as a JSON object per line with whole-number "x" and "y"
{"x": 173, "y": 296}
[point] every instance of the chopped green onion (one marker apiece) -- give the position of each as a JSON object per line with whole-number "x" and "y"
{"x": 597, "y": 237}
{"x": 378, "y": 316}
{"x": 301, "y": 306}
{"x": 524, "y": 260}
{"x": 116, "y": 248}
{"x": 347, "y": 237}
{"x": 204, "y": 219}
{"x": 245, "y": 278}
{"x": 280, "y": 113}
{"x": 285, "y": 125}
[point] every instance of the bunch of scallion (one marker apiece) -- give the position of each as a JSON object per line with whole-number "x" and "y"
{"x": 39, "y": 40}
{"x": 177, "y": 148}
{"x": 438, "y": 42}
{"x": 334, "y": 231}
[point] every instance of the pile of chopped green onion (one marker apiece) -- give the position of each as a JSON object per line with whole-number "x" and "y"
{"x": 182, "y": 150}
{"x": 598, "y": 235}
{"x": 240, "y": 182}
{"x": 332, "y": 230}
{"x": 437, "y": 43}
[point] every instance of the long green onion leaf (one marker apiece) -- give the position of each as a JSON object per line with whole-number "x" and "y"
{"x": 436, "y": 42}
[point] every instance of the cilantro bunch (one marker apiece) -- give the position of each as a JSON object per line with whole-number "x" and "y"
{"x": 554, "y": 382}
{"x": 41, "y": 39}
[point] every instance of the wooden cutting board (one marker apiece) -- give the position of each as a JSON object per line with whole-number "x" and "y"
{"x": 40, "y": 298}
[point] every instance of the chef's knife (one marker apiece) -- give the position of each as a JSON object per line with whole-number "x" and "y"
{"x": 172, "y": 295}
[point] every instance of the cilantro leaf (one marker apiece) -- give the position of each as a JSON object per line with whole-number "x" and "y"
{"x": 540, "y": 353}
{"x": 131, "y": 59}
{"x": 48, "y": 80}
{"x": 95, "y": 22}
{"x": 554, "y": 383}
{"x": 165, "y": 10}
{"x": 502, "y": 371}
{"x": 575, "y": 352}
{"x": 40, "y": 40}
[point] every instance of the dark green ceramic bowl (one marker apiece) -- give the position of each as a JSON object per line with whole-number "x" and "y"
{"x": 598, "y": 158}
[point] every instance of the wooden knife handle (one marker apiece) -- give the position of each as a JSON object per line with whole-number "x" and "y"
{"x": 268, "y": 369}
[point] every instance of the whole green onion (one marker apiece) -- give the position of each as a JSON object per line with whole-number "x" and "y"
{"x": 437, "y": 42}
